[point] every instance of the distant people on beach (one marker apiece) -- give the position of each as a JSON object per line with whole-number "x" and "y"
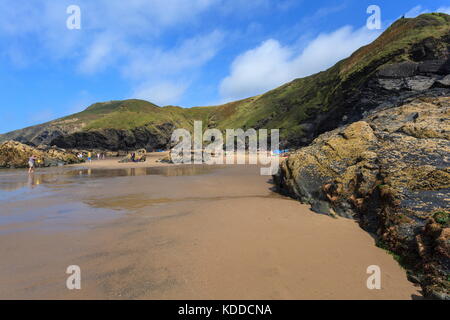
{"x": 90, "y": 155}
{"x": 31, "y": 163}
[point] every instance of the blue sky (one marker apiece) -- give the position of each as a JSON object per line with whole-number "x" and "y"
{"x": 179, "y": 52}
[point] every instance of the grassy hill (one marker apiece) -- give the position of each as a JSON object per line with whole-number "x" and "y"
{"x": 301, "y": 109}
{"x": 134, "y": 113}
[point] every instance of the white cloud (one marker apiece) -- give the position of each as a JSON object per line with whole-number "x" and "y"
{"x": 162, "y": 93}
{"x": 128, "y": 30}
{"x": 40, "y": 24}
{"x": 191, "y": 53}
{"x": 131, "y": 16}
{"x": 99, "y": 54}
{"x": 146, "y": 67}
{"x": 141, "y": 17}
{"x": 444, "y": 10}
{"x": 258, "y": 70}
{"x": 44, "y": 23}
{"x": 125, "y": 36}
{"x": 416, "y": 11}
{"x": 272, "y": 64}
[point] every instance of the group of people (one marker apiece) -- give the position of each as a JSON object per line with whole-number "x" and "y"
{"x": 33, "y": 159}
{"x": 100, "y": 156}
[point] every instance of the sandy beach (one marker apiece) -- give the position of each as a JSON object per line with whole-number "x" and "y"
{"x": 160, "y": 231}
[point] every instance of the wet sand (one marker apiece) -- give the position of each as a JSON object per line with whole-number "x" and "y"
{"x": 178, "y": 232}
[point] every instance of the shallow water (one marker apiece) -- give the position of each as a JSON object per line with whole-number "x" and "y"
{"x": 14, "y": 179}
{"x": 18, "y": 189}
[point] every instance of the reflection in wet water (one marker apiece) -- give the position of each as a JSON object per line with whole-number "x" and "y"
{"x": 11, "y": 180}
{"x": 163, "y": 171}
{"x": 12, "y": 183}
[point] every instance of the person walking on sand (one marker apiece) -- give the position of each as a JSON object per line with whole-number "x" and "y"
{"x": 31, "y": 163}
{"x": 89, "y": 157}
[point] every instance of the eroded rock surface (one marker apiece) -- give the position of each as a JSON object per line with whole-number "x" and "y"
{"x": 14, "y": 154}
{"x": 391, "y": 172}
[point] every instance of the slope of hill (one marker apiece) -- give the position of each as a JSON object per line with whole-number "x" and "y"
{"x": 410, "y": 59}
{"x": 112, "y": 125}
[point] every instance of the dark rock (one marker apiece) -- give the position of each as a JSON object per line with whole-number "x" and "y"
{"x": 399, "y": 70}
{"x": 429, "y": 49}
{"x": 444, "y": 82}
{"x": 440, "y": 67}
{"x": 113, "y": 139}
{"x": 419, "y": 83}
{"x": 390, "y": 171}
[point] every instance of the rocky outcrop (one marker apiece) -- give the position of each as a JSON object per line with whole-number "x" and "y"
{"x": 416, "y": 76}
{"x": 14, "y": 154}
{"x": 424, "y": 70}
{"x": 63, "y": 135}
{"x": 390, "y": 171}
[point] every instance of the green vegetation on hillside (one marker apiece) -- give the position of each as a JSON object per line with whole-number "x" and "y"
{"x": 289, "y": 107}
{"x": 133, "y": 113}
{"x": 396, "y": 41}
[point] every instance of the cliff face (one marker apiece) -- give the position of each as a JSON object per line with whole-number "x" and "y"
{"x": 44, "y": 133}
{"x": 390, "y": 171}
{"x": 425, "y": 72}
{"x": 410, "y": 59}
{"x": 116, "y": 139}
{"x": 114, "y": 125}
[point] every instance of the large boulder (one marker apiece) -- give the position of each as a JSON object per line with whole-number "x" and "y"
{"x": 391, "y": 172}
{"x": 14, "y": 154}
